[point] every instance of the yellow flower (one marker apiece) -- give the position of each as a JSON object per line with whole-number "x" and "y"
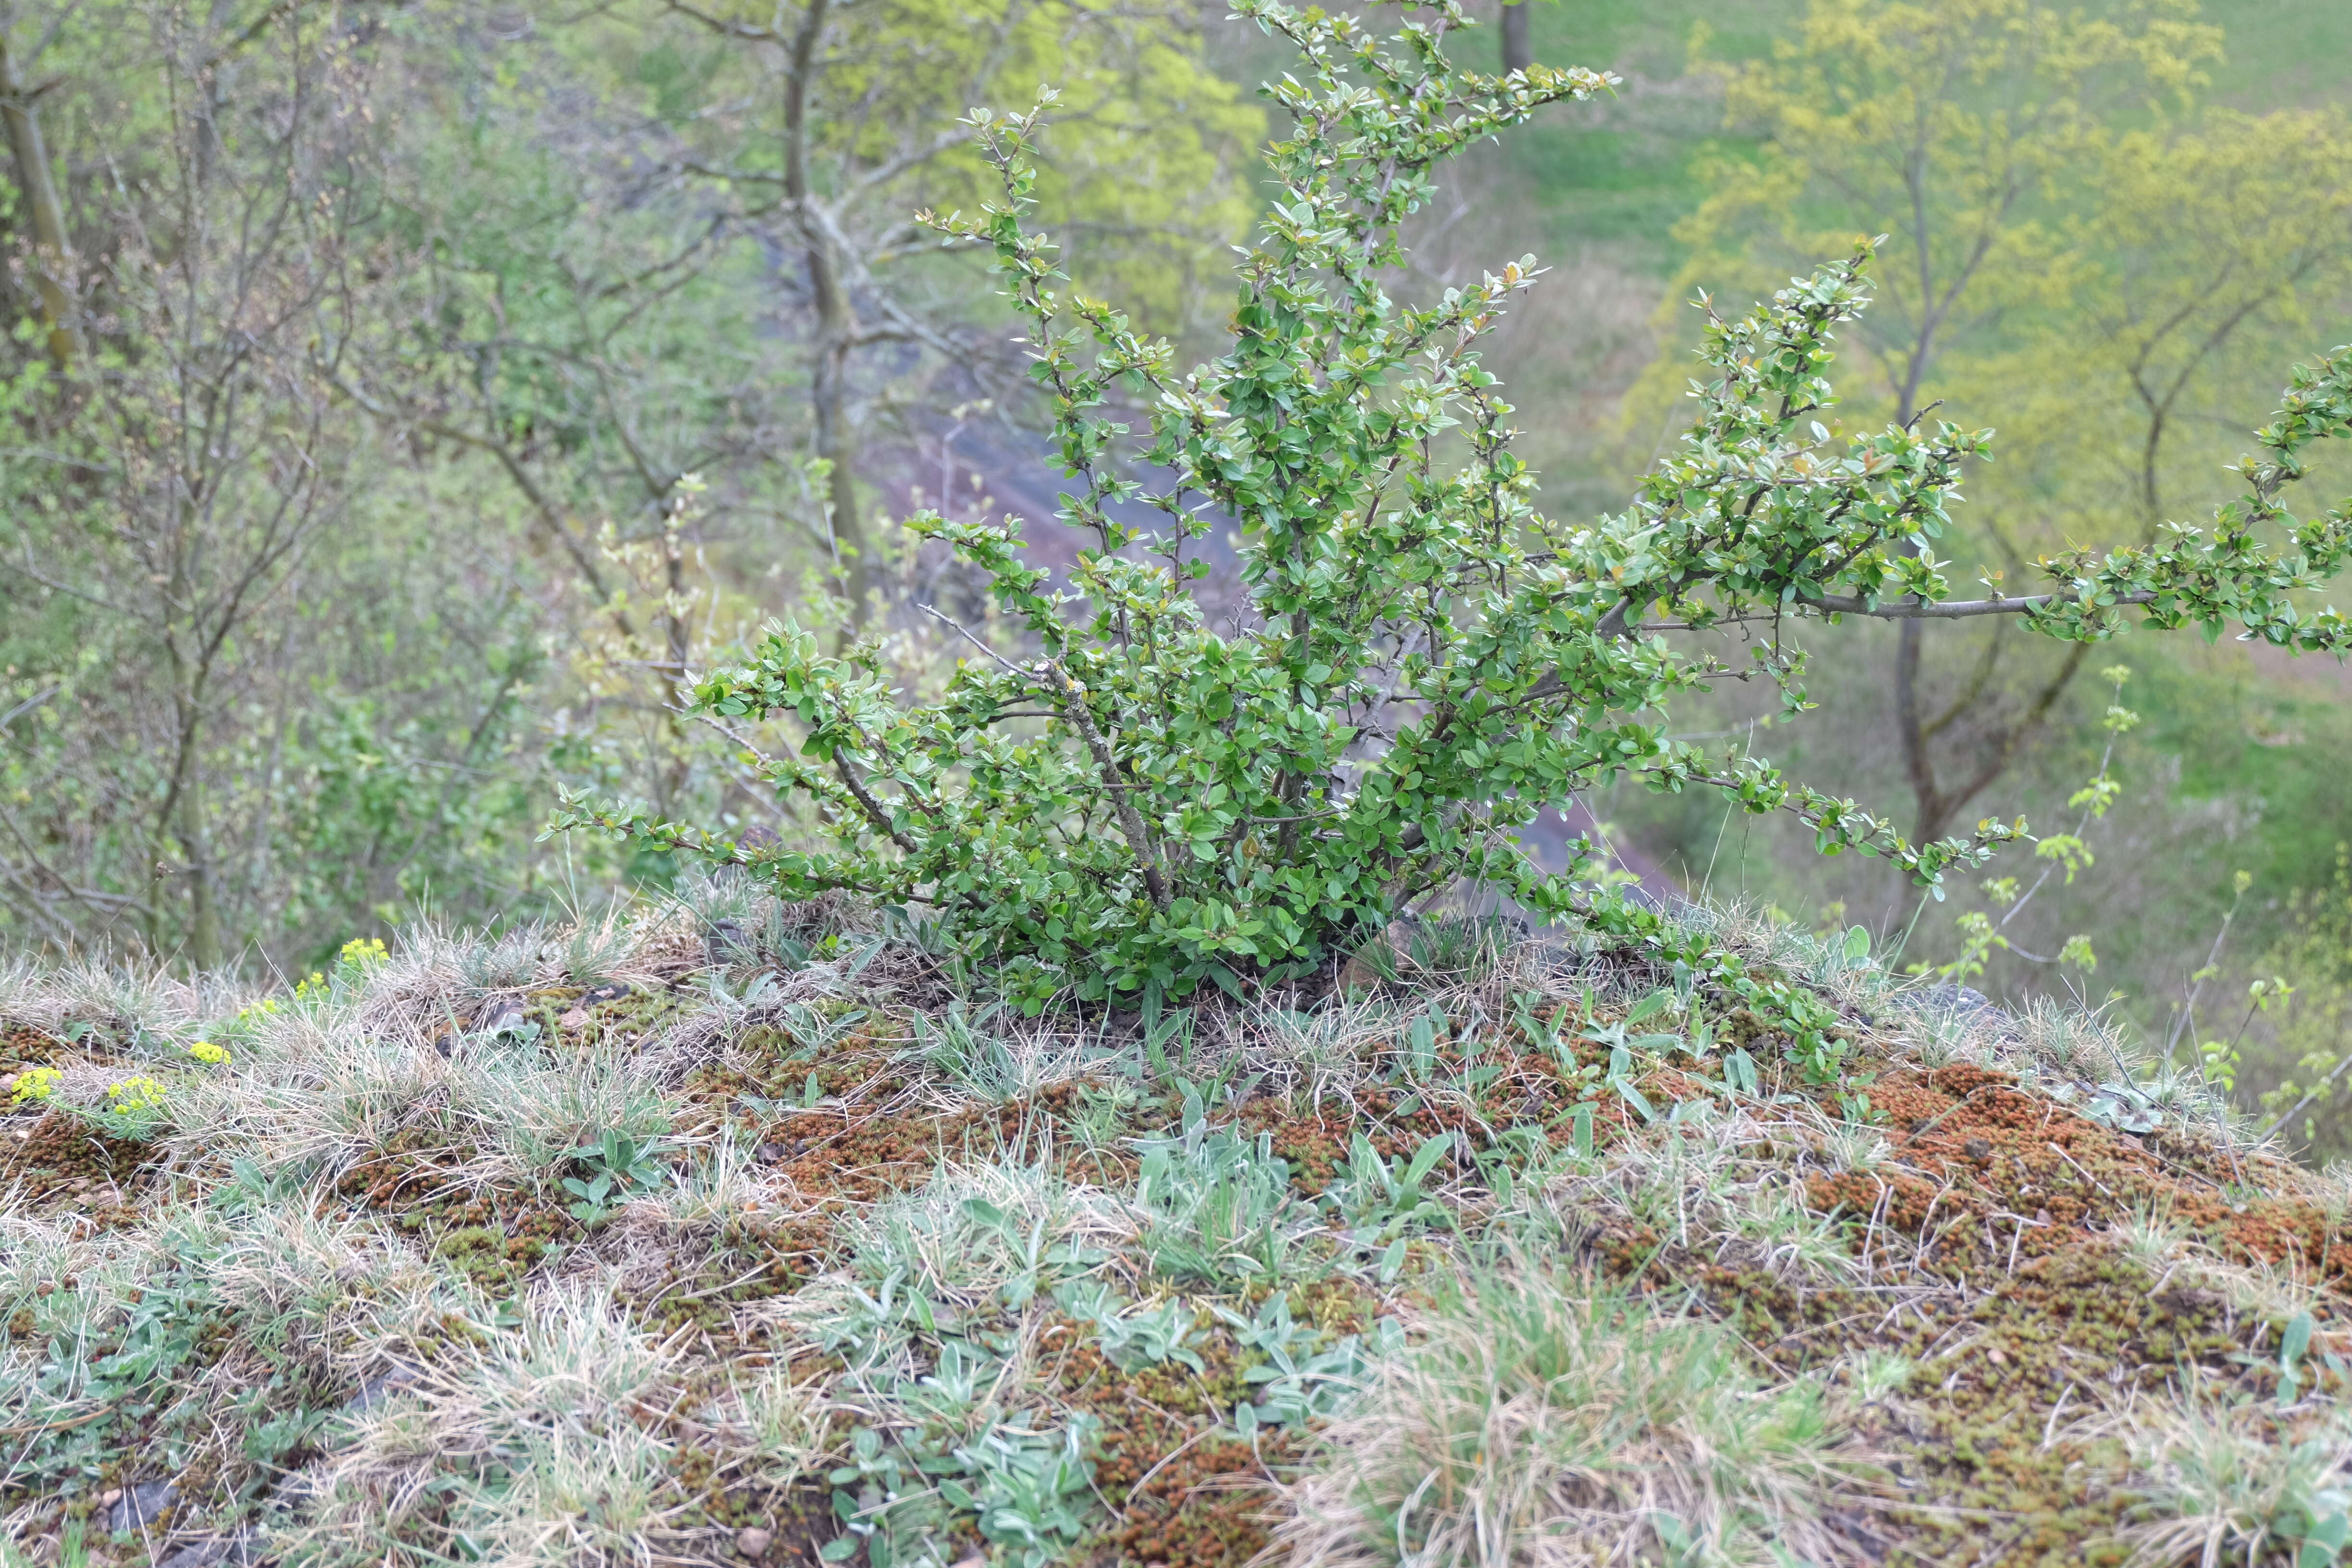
{"x": 36, "y": 1083}
{"x": 136, "y": 1093}
{"x": 209, "y": 1054}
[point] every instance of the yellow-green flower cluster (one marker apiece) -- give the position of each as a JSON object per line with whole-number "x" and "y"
{"x": 135, "y": 1095}
{"x": 211, "y": 1055}
{"x": 356, "y": 957}
{"x": 36, "y": 1084}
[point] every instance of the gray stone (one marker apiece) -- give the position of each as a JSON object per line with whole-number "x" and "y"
{"x": 142, "y": 1505}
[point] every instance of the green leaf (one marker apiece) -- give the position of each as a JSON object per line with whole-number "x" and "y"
{"x": 2296, "y": 1342}
{"x": 1425, "y": 1158}
{"x": 1649, "y": 1007}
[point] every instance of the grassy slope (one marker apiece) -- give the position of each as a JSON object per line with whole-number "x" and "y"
{"x": 1003, "y": 1289}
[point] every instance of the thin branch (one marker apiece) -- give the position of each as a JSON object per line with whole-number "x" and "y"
{"x": 1130, "y": 821}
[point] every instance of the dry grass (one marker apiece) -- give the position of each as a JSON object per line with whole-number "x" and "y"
{"x": 2222, "y": 1481}
{"x": 885, "y": 1206}
{"x": 1543, "y": 1421}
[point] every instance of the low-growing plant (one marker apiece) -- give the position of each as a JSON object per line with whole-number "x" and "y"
{"x": 614, "y": 1169}
{"x": 1134, "y": 1336}
{"x": 1380, "y": 1198}
{"x": 2223, "y": 1483}
{"x": 35, "y": 1085}
{"x": 355, "y": 962}
{"x": 1296, "y": 1382}
{"x": 1217, "y": 1205}
{"x": 1032, "y": 1491}
{"x": 886, "y": 1505}
{"x": 967, "y": 1053}
{"x": 1131, "y": 801}
{"x": 137, "y": 1107}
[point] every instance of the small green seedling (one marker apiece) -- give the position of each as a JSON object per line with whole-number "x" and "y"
{"x": 619, "y": 1167}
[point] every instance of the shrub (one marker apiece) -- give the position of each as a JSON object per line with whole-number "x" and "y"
{"x": 1134, "y": 802}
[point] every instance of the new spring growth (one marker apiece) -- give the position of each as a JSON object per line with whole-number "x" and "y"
{"x": 356, "y": 958}
{"x": 209, "y": 1054}
{"x": 134, "y": 1095}
{"x": 36, "y": 1084}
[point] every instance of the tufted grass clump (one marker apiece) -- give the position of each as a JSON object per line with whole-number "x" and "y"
{"x": 1544, "y": 1419}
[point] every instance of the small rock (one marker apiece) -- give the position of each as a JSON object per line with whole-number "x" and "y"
{"x": 142, "y": 1505}
{"x": 771, "y": 1154}
{"x": 1977, "y": 1148}
{"x": 204, "y": 1553}
{"x": 499, "y": 1017}
{"x": 378, "y": 1389}
{"x": 2041, "y": 1217}
{"x": 728, "y": 940}
{"x": 109, "y": 1496}
{"x": 752, "y": 1542}
{"x": 575, "y": 1019}
{"x": 977, "y": 1561}
{"x": 611, "y": 991}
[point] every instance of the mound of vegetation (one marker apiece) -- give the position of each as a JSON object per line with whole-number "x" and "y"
{"x": 744, "y": 1231}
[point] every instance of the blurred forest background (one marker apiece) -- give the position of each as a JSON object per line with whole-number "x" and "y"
{"x": 399, "y": 395}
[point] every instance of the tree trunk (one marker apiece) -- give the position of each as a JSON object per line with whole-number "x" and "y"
{"x": 203, "y": 907}
{"x": 52, "y": 259}
{"x": 835, "y": 442}
{"x": 836, "y": 322}
{"x": 1516, "y": 54}
{"x": 182, "y": 818}
{"x": 1917, "y": 764}
{"x": 675, "y": 776}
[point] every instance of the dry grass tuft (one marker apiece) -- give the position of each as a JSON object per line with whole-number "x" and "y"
{"x": 1543, "y": 1421}
{"x": 2219, "y": 1480}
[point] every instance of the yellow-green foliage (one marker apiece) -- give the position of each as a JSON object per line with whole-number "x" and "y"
{"x": 36, "y": 1084}
{"x": 1150, "y": 157}
{"x": 2073, "y": 239}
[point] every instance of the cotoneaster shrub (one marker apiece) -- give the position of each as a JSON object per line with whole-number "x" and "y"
{"x": 1131, "y": 801}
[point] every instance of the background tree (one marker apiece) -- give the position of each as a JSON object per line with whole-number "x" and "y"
{"x": 482, "y": 408}
{"x": 864, "y": 131}
{"x": 197, "y": 457}
{"x": 2101, "y": 280}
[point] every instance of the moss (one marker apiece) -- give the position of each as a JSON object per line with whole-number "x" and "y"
{"x": 64, "y": 1161}
{"x": 1180, "y": 1493}
{"x": 1980, "y": 1246}
{"x": 495, "y": 1261}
